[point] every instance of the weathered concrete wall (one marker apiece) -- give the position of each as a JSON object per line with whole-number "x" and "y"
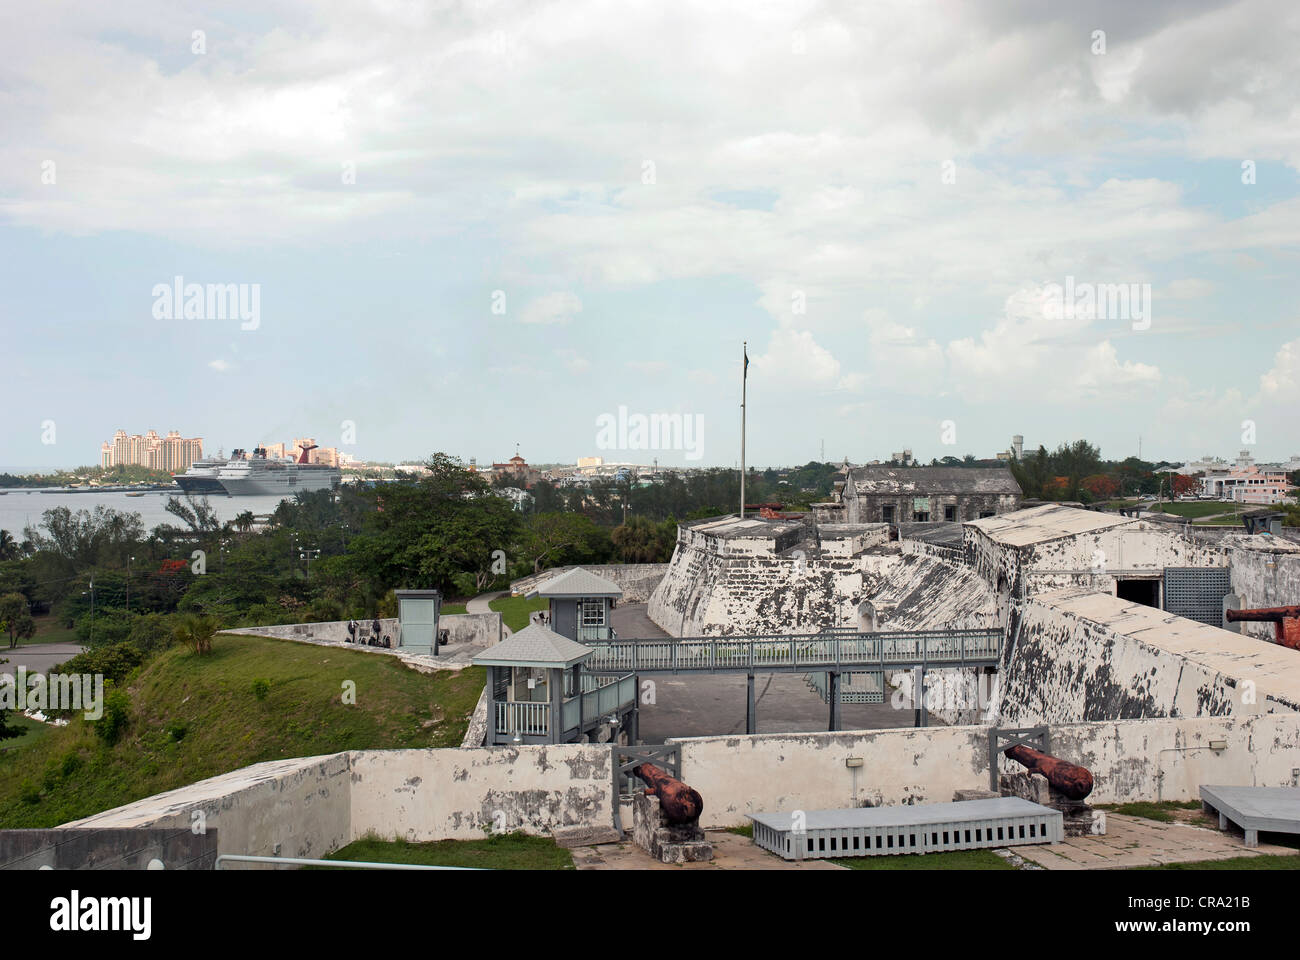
{"x": 1086, "y": 559}
{"x": 1265, "y": 573}
{"x": 1130, "y": 760}
{"x": 636, "y": 580}
{"x": 288, "y": 808}
{"x": 771, "y": 582}
{"x": 1075, "y": 655}
{"x": 454, "y": 794}
{"x": 308, "y": 807}
{"x": 115, "y": 848}
{"x": 707, "y": 594}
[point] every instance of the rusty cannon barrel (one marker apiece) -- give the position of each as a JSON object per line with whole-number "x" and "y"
{"x": 678, "y": 802}
{"x": 1067, "y": 778}
{"x": 1285, "y": 620}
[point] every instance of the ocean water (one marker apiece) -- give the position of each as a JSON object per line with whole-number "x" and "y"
{"x": 21, "y": 507}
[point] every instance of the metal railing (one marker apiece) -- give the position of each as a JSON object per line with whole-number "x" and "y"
{"x": 603, "y": 701}
{"x": 529, "y": 718}
{"x": 589, "y": 634}
{"x": 811, "y": 652}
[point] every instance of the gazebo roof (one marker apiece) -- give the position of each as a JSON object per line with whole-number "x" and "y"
{"x": 534, "y": 646}
{"x": 578, "y": 583}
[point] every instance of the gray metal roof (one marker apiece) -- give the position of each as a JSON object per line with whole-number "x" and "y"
{"x": 534, "y": 646}
{"x": 578, "y": 583}
{"x": 906, "y": 816}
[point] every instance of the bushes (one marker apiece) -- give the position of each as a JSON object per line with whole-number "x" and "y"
{"x": 261, "y": 688}
{"x": 117, "y": 714}
{"x": 115, "y": 662}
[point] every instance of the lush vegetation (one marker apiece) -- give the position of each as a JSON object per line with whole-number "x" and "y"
{"x": 182, "y": 716}
{"x": 504, "y": 851}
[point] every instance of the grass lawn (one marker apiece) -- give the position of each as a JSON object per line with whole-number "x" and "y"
{"x": 510, "y": 851}
{"x": 515, "y": 610}
{"x": 48, "y": 630}
{"x": 955, "y": 860}
{"x": 450, "y": 608}
{"x": 1267, "y": 861}
{"x": 1162, "y": 812}
{"x": 194, "y": 717}
{"x": 33, "y": 731}
{"x": 1196, "y": 509}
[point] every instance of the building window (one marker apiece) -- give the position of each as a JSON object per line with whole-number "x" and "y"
{"x": 921, "y": 516}
{"x": 887, "y": 514}
{"x": 592, "y": 612}
{"x": 985, "y": 513}
{"x": 950, "y": 513}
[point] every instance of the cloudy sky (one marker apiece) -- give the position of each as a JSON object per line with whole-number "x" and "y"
{"x": 471, "y": 225}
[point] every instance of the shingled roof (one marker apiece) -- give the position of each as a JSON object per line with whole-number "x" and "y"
{"x": 578, "y": 583}
{"x": 534, "y": 646}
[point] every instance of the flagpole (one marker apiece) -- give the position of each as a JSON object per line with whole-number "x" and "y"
{"x": 744, "y": 384}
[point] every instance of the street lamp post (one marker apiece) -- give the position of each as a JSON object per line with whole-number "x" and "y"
{"x": 92, "y": 611}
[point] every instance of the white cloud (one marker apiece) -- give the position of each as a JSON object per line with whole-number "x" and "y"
{"x": 219, "y": 365}
{"x": 556, "y": 307}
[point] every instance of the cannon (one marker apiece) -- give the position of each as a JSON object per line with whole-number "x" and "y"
{"x": 1069, "y": 779}
{"x": 678, "y": 803}
{"x": 1285, "y": 620}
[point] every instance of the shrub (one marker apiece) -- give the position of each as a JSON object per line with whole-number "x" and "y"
{"x": 176, "y": 731}
{"x": 115, "y": 662}
{"x": 117, "y": 714}
{"x": 261, "y": 688}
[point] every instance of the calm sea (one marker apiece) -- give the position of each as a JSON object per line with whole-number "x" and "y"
{"x": 19, "y": 508}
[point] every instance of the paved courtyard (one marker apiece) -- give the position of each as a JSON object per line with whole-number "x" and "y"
{"x": 1138, "y": 842}
{"x": 699, "y": 705}
{"x": 1129, "y": 842}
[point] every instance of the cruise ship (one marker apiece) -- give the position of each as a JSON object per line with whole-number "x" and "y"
{"x": 264, "y": 477}
{"x": 201, "y": 477}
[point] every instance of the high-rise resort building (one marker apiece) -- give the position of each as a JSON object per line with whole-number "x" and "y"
{"x": 171, "y": 453}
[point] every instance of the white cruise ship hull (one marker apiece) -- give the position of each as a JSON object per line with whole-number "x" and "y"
{"x": 282, "y": 483}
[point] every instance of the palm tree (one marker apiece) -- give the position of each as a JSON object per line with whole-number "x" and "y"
{"x": 8, "y": 546}
{"x": 244, "y": 522}
{"x": 197, "y": 632}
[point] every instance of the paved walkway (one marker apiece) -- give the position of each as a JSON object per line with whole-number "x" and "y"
{"x": 1138, "y": 842}
{"x": 37, "y": 657}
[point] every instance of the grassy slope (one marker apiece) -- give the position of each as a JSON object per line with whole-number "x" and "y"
{"x": 513, "y": 851}
{"x": 514, "y": 610}
{"x": 196, "y": 717}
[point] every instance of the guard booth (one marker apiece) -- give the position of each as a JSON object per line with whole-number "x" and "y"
{"x": 539, "y": 693}
{"x": 579, "y": 605}
{"x": 417, "y": 620}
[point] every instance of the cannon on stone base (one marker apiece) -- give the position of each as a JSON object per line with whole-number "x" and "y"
{"x": 666, "y": 818}
{"x": 1055, "y": 783}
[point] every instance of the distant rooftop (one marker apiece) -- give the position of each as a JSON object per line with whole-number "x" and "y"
{"x": 1049, "y": 522}
{"x": 934, "y": 480}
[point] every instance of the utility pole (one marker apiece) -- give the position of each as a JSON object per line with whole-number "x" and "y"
{"x": 128, "y": 583}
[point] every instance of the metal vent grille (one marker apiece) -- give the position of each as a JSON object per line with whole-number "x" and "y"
{"x": 1197, "y": 593}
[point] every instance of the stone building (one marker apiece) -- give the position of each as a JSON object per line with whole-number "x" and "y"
{"x": 885, "y": 494}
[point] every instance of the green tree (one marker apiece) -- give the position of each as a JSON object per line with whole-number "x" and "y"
{"x": 196, "y": 631}
{"x": 16, "y": 618}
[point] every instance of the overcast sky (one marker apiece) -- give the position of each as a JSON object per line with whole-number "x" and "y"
{"x": 476, "y": 224}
